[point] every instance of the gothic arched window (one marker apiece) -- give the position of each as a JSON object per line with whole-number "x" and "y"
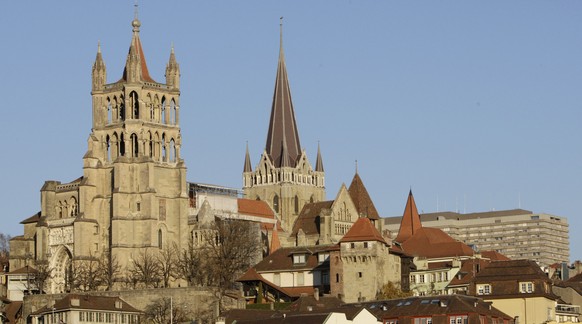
{"x": 134, "y": 104}
{"x": 296, "y": 203}
{"x": 160, "y": 238}
{"x": 276, "y": 203}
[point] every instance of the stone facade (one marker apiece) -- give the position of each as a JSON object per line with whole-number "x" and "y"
{"x": 133, "y": 192}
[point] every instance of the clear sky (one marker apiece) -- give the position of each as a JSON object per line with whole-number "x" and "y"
{"x": 475, "y": 105}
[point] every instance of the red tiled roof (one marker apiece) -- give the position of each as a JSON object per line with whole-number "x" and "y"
{"x": 282, "y": 260}
{"x": 410, "y": 222}
{"x": 275, "y": 243}
{"x": 362, "y": 199}
{"x": 468, "y": 270}
{"x": 255, "y": 208}
{"x": 434, "y": 243}
{"x": 363, "y": 230}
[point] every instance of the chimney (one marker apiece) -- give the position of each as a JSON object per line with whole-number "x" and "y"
{"x": 316, "y": 293}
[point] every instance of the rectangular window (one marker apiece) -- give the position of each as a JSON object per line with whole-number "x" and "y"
{"x": 298, "y": 258}
{"x": 359, "y": 275}
{"x": 300, "y": 279}
{"x": 322, "y": 257}
{"x": 353, "y": 245}
{"x": 277, "y": 279}
{"x": 412, "y": 279}
{"x": 421, "y": 278}
{"x": 365, "y": 245}
{"x": 526, "y": 287}
{"x": 325, "y": 277}
{"x": 423, "y": 320}
{"x": 484, "y": 289}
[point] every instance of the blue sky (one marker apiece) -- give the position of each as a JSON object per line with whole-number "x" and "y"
{"x": 475, "y": 105}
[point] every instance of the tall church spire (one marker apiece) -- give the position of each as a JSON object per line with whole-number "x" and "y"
{"x": 282, "y": 125}
{"x": 410, "y": 220}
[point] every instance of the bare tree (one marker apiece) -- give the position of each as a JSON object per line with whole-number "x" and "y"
{"x": 190, "y": 265}
{"x": 158, "y": 311}
{"x": 111, "y": 269}
{"x": 145, "y": 269}
{"x": 230, "y": 249}
{"x": 86, "y": 275}
{"x": 38, "y": 279}
{"x": 4, "y": 251}
{"x": 168, "y": 262}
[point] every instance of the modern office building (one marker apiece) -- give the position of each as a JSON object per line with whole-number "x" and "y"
{"x": 516, "y": 233}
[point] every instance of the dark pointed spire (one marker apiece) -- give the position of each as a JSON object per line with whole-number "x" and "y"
{"x": 410, "y": 220}
{"x": 247, "y": 167}
{"x": 136, "y": 68}
{"x": 282, "y": 125}
{"x": 319, "y": 160}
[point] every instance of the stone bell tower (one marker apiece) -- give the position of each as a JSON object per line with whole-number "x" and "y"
{"x": 134, "y": 191}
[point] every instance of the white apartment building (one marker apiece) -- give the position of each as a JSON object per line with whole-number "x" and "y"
{"x": 517, "y": 233}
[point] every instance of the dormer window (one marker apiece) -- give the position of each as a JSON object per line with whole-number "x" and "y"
{"x": 526, "y": 287}
{"x": 299, "y": 258}
{"x": 322, "y": 257}
{"x": 484, "y": 289}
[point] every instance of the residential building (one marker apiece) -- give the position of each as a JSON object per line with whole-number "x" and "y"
{"x": 521, "y": 289}
{"x": 21, "y": 282}
{"x": 85, "y": 309}
{"x": 289, "y": 272}
{"x": 517, "y": 233}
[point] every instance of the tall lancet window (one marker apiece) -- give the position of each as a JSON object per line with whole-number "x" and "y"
{"x": 160, "y": 239}
{"x": 276, "y": 203}
{"x": 134, "y": 145}
{"x": 134, "y": 102}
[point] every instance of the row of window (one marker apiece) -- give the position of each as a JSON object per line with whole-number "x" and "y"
{"x": 525, "y": 287}
{"x": 108, "y": 317}
{"x": 431, "y": 277}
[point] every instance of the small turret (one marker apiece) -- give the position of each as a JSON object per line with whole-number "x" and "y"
{"x": 99, "y": 74}
{"x": 173, "y": 71}
{"x": 319, "y": 161}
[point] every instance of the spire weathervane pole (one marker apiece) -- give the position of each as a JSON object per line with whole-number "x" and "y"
{"x": 135, "y": 10}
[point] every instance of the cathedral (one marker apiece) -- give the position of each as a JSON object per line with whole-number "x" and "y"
{"x": 133, "y": 193}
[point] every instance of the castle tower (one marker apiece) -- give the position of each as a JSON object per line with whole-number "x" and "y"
{"x": 133, "y": 193}
{"x": 284, "y": 178}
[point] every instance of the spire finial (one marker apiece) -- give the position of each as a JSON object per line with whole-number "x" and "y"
{"x": 98, "y": 46}
{"x": 356, "y": 166}
{"x": 172, "y": 50}
{"x": 135, "y": 23}
{"x": 281, "y": 32}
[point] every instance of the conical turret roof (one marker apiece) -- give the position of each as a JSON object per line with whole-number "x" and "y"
{"x": 362, "y": 199}
{"x": 410, "y": 223}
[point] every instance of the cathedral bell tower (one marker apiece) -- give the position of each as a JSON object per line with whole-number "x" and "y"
{"x": 284, "y": 178}
{"x": 134, "y": 189}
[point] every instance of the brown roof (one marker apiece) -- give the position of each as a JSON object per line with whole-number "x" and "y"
{"x": 23, "y": 270}
{"x": 275, "y": 242}
{"x": 510, "y": 271}
{"x": 363, "y": 230}
{"x": 434, "y": 306}
{"x": 89, "y": 302}
{"x": 410, "y": 223}
{"x": 283, "y": 145}
{"x": 13, "y": 311}
{"x": 282, "y": 259}
{"x": 362, "y": 199}
{"x": 494, "y": 256}
{"x": 32, "y": 219}
{"x": 307, "y": 220}
{"x": 468, "y": 270}
{"x": 434, "y": 243}
{"x": 255, "y": 208}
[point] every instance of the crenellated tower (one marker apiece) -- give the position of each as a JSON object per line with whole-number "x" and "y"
{"x": 284, "y": 177}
